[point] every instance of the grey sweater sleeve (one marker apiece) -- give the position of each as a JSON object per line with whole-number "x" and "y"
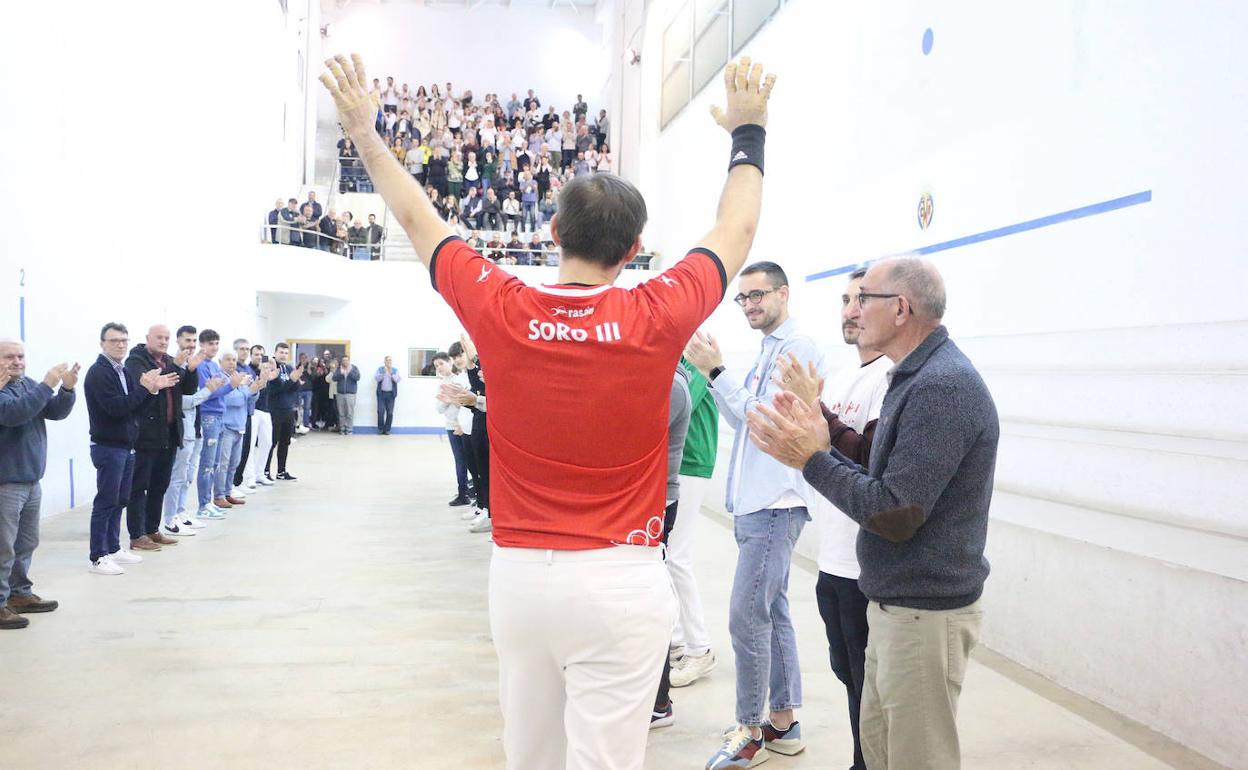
{"x": 678, "y": 415}
{"x": 935, "y": 429}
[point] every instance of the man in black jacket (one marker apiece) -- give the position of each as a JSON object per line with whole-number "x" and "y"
{"x": 114, "y": 398}
{"x": 160, "y": 436}
{"x": 281, "y": 404}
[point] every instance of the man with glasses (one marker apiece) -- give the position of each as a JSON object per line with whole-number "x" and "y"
{"x": 922, "y": 507}
{"x": 769, "y": 503}
{"x": 114, "y": 398}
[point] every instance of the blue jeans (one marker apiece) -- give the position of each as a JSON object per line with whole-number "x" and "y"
{"x": 114, "y": 467}
{"x": 463, "y": 454}
{"x": 230, "y": 454}
{"x": 210, "y": 426}
{"x": 758, "y": 612}
{"x": 19, "y": 536}
{"x": 184, "y": 465}
{"x": 385, "y": 410}
{"x": 305, "y": 400}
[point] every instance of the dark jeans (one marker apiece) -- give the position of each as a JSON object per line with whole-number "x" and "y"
{"x": 663, "y": 699}
{"x": 148, "y": 484}
{"x": 844, "y": 611}
{"x": 479, "y": 441}
{"x": 113, "y": 468}
{"x": 462, "y": 452}
{"x": 242, "y": 460}
{"x": 283, "y": 430}
{"x": 385, "y": 410}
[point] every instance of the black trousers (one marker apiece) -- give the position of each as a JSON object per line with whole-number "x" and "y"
{"x": 479, "y": 441}
{"x": 242, "y": 459}
{"x": 152, "y": 469}
{"x": 385, "y": 410}
{"x": 844, "y": 611}
{"x": 283, "y": 431}
{"x": 663, "y": 699}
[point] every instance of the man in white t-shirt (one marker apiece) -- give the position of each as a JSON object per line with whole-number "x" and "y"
{"x": 851, "y": 405}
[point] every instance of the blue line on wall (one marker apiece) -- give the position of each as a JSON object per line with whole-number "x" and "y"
{"x": 21, "y": 317}
{"x": 988, "y": 235}
{"x": 71, "y": 482}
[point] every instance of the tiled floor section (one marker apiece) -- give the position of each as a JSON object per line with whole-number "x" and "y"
{"x": 340, "y": 622}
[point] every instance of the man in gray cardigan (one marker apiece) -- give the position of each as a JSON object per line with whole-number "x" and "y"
{"x": 24, "y": 406}
{"x": 922, "y": 504}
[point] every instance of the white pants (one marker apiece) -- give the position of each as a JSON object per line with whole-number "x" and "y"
{"x": 262, "y": 432}
{"x": 581, "y": 637}
{"x": 691, "y": 625}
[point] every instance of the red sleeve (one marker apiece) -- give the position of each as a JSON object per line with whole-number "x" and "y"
{"x": 684, "y": 295}
{"x": 470, "y": 283}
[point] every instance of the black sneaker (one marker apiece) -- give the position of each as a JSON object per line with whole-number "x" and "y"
{"x": 461, "y": 500}
{"x": 284, "y": 476}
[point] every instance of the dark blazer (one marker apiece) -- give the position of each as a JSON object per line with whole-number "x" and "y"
{"x": 112, "y": 412}
{"x": 154, "y": 431}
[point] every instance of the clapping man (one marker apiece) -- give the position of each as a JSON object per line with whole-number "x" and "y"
{"x": 212, "y": 423}
{"x": 114, "y": 398}
{"x": 347, "y": 377}
{"x": 24, "y": 406}
{"x": 387, "y": 391}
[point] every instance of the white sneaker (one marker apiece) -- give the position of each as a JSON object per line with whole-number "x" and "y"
{"x": 249, "y": 488}
{"x": 262, "y": 481}
{"x": 238, "y": 492}
{"x": 675, "y": 653}
{"x": 470, "y": 514}
{"x": 177, "y": 530}
{"x": 691, "y": 668}
{"x": 125, "y": 557}
{"x": 190, "y": 522}
{"x": 105, "y": 566}
{"x": 482, "y": 523}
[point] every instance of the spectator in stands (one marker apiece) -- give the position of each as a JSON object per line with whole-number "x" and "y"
{"x": 316, "y": 207}
{"x": 471, "y": 211}
{"x": 602, "y": 127}
{"x": 374, "y": 235}
{"x": 396, "y": 149}
{"x": 475, "y": 242}
{"x": 472, "y": 171}
{"x": 357, "y": 236}
{"x": 534, "y": 254}
{"x": 528, "y": 202}
{"x": 604, "y": 160}
{"x": 438, "y": 170}
{"x": 583, "y": 140}
{"x": 25, "y": 405}
{"x": 114, "y": 398}
{"x": 514, "y": 106}
{"x": 516, "y": 251}
{"x": 340, "y": 233}
{"x": 389, "y": 97}
{"x": 416, "y": 158}
{"x": 347, "y": 378}
{"x": 511, "y": 210}
{"x": 547, "y": 208}
{"x": 491, "y": 210}
{"x": 275, "y": 216}
{"x": 455, "y": 174}
{"x": 580, "y": 108}
{"x": 404, "y": 127}
{"x": 329, "y": 231}
{"x": 495, "y": 247}
{"x": 289, "y": 232}
{"x": 582, "y": 165}
{"x": 308, "y": 222}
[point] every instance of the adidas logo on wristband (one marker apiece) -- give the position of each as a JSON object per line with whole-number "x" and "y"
{"x": 740, "y": 156}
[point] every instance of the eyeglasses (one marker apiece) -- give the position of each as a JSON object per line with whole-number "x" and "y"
{"x": 754, "y": 297}
{"x": 863, "y": 296}
{"x": 115, "y": 340}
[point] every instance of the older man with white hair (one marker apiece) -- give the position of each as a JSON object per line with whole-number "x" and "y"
{"x": 922, "y": 505}
{"x": 24, "y": 406}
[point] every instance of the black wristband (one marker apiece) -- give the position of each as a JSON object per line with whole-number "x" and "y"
{"x": 747, "y": 146}
{"x": 715, "y": 373}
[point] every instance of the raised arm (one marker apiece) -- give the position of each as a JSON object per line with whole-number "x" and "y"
{"x": 740, "y": 203}
{"x": 357, "y": 111}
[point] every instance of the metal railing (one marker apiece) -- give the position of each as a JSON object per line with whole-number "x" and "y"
{"x": 314, "y": 238}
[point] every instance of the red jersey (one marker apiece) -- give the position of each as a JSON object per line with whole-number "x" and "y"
{"x": 579, "y": 381}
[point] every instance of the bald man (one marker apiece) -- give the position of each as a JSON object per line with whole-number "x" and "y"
{"x": 922, "y": 508}
{"x": 24, "y": 406}
{"x": 160, "y": 437}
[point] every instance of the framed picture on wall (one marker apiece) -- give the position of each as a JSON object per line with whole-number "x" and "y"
{"x": 420, "y": 362}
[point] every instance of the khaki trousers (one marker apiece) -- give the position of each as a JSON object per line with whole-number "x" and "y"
{"x": 916, "y": 660}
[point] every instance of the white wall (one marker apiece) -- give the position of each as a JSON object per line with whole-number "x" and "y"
{"x": 489, "y": 49}
{"x": 1115, "y": 345}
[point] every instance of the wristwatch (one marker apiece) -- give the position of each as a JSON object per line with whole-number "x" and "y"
{"x": 715, "y": 373}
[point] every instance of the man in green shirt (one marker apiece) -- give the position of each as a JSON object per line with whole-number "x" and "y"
{"x": 691, "y": 645}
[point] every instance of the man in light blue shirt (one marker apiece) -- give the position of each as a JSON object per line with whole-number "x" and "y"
{"x": 387, "y": 391}
{"x": 769, "y": 503}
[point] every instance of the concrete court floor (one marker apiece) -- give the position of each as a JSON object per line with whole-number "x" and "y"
{"x": 340, "y": 622}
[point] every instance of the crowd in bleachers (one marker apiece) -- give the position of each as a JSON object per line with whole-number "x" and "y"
{"x": 311, "y": 226}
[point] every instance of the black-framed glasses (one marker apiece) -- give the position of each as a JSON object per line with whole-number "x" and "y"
{"x": 863, "y": 296}
{"x": 754, "y": 297}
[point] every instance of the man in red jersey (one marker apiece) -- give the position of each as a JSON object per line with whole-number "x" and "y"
{"x": 580, "y": 606}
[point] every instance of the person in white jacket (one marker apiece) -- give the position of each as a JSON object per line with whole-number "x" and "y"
{"x": 457, "y": 431}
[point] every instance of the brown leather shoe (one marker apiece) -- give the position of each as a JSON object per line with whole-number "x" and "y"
{"x": 161, "y": 539}
{"x": 222, "y": 502}
{"x": 32, "y": 603}
{"x": 10, "y": 619}
{"x": 144, "y": 543}
{"x": 234, "y": 500}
